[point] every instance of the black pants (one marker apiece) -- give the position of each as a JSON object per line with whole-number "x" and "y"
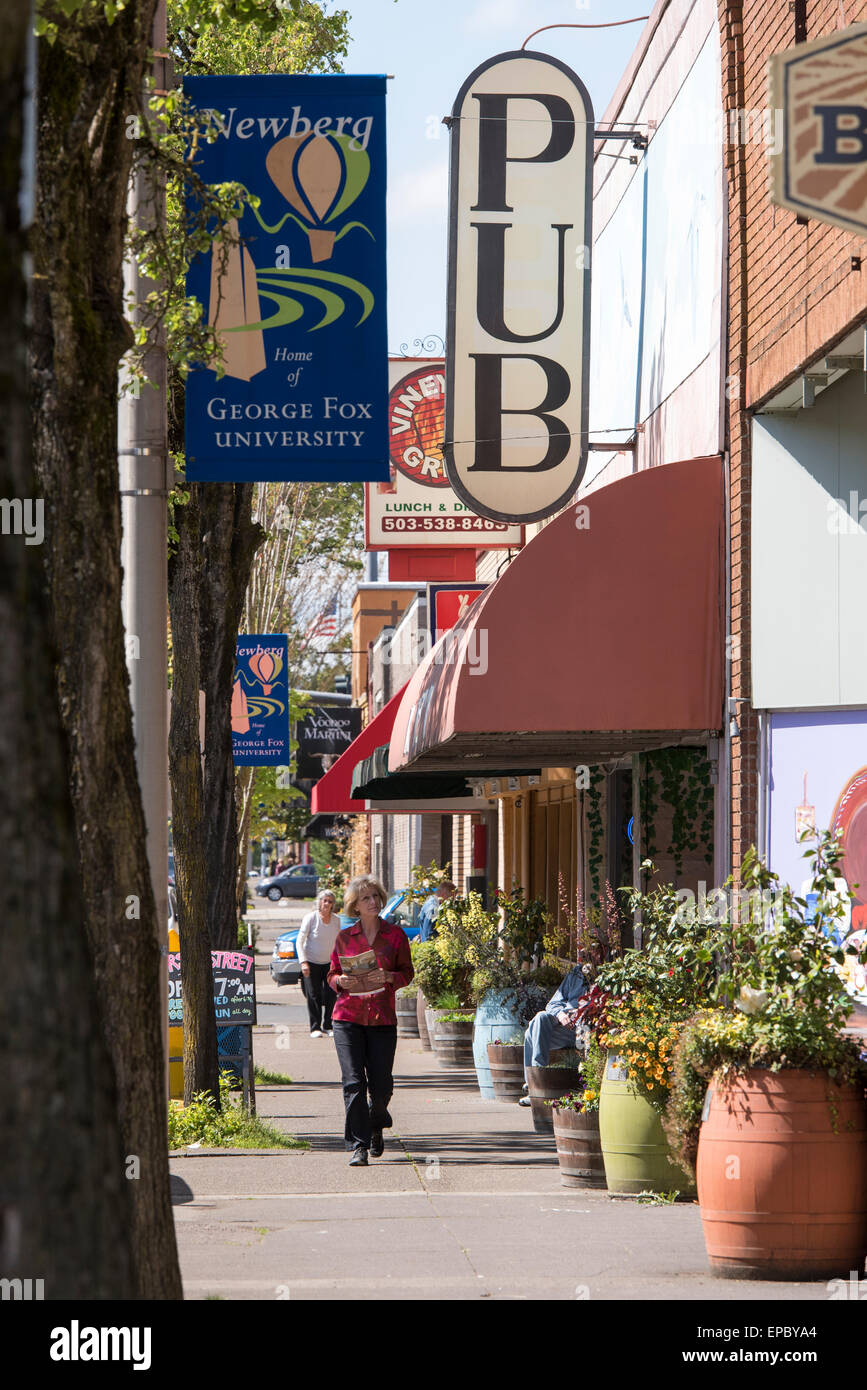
{"x": 366, "y": 1058}
{"x": 319, "y": 995}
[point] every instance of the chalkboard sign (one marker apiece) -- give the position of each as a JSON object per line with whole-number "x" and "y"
{"x": 234, "y": 988}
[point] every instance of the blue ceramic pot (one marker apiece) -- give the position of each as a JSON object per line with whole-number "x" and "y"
{"x": 496, "y": 1020}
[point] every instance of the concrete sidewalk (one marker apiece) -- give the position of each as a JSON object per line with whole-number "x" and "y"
{"x": 465, "y": 1203}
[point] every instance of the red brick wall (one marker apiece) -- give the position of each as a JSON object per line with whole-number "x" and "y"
{"x": 792, "y": 293}
{"x": 802, "y": 293}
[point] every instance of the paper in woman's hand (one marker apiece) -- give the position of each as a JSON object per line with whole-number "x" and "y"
{"x": 357, "y": 967}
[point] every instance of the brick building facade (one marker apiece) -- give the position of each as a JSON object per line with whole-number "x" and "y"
{"x": 793, "y": 293}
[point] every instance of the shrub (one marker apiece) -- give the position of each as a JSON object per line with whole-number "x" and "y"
{"x": 432, "y": 976}
{"x": 232, "y": 1126}
{"x": 781, "y": 999}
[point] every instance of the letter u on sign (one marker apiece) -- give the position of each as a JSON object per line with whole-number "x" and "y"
{"x": 517, "y": 366}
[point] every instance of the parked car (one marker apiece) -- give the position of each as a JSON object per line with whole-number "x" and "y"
{"x": 301, "y": 881}
{"x": 285, "y": 965}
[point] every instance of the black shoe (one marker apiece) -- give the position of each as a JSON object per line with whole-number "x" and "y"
{"x": 377, "y": 1143}
{"x": 359, "y": 1159}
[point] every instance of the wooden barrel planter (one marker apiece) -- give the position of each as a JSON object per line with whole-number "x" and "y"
{"x": 496, "y": 1018}
{"x": 430, "y": 1018}
{"x": 579, "y": 1148}
{"x": 549, "y": 1083}
{"x": 406, "y": 1011}
{"x": 506, "y": 1065}
{"x": 634, "y": 1147}
{"x": 453, "y": 1043}
{"x": 782, "y": 1176}
{"x": 421, "y": 1019}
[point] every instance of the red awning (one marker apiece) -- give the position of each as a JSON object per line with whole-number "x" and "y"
{"x": 332, "y": 792}
{"x": 593, "y": 644}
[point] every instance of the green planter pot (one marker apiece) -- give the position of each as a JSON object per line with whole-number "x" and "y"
{"x": 634, "y": 1147}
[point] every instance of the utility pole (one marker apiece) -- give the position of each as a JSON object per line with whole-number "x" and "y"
{"x": 145, "y": 479}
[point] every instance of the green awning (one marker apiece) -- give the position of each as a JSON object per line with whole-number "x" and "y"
{"x": 372, "y": 781}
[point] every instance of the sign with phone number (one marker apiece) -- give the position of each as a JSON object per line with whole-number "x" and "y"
{"x": 441, "y": 523}
{"x": 234, "y": 988}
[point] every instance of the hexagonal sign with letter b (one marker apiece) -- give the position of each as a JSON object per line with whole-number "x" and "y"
{"x": 821, "y": 90}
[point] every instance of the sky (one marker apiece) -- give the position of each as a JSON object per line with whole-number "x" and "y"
{"x": 430, "y": 47}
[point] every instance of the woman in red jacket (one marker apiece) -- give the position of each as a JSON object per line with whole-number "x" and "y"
{"x": 364, "y": 1020}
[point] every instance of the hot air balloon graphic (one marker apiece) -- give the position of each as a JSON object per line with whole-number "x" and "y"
{"x": 240, "y": 714}
{"x": 320, "y": 176}
{"x": 234, "y": 305}
{"x": 266, "y": 668}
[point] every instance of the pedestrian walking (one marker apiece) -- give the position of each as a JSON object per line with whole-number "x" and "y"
{"x": 314, "y": 945}
{"x": 365, "y": 1022}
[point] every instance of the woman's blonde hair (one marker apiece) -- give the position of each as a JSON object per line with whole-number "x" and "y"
{"x": 356, "y": 888}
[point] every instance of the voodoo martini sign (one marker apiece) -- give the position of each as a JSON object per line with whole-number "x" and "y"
{"x": 297, "y": 302}
{"x": 260, "y": 701}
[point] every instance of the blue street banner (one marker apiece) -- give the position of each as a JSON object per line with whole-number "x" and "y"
{"x": 299, "y": 304}
{"x": 260, "y": 700}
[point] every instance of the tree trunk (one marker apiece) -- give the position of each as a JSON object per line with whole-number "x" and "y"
{"x": 243, "y": 799}
{"x": 230, "y": 539}
{"x": 66, "y": 1213}
{"x": 188, "y": 819}
{"x": 88, "y": 80}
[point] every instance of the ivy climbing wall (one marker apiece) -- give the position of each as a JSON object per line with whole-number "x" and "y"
{"x": 677, "y": 810}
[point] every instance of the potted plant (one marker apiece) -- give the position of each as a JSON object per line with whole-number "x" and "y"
{"x": 644, "y": 1000}
{"x": 576, "y": 1126}
{"x": 547, "y": 1084}
{"x": 453, "y": 1037}
{"x": 506, "y": 1065}
{"x": 406, "y": 1011}
{"x": 495, "y": 954}
{"x": 432, "y": 978}
{"x": 768, "y": 1099}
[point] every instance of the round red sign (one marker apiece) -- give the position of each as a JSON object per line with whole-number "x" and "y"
{"x": 416, "y": 422}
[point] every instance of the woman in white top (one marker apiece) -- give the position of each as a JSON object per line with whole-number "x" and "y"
{"x": 315, "y": 943}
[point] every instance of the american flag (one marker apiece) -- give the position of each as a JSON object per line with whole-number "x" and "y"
{"x": 325, "y": 624}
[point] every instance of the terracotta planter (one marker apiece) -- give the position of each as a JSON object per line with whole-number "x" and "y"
{"x": 506, "y": 1065}
{"x": 549, "y": 1083}
{"x": 579, "y": 1148}
{"x": 453, "y": 1043}
{"x": 782, "y": 1176}
{"x": 421, "y": 1018}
